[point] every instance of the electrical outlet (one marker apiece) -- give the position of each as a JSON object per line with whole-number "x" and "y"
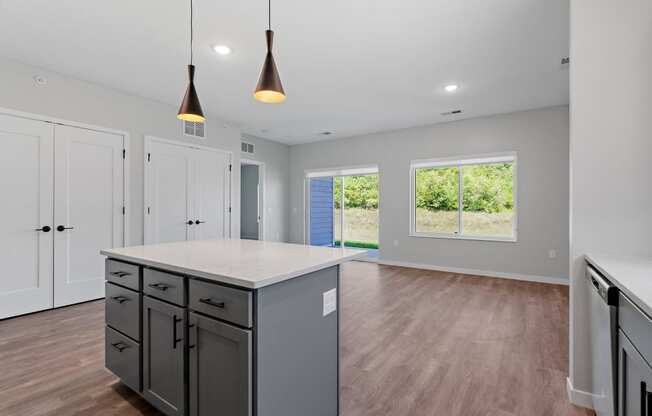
{"x": 552, "y": 254}
{"x": 330, "y": 302}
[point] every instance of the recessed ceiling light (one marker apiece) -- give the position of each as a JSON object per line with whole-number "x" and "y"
{"x": 222, "y": 49}
{"x": 451, "y": 87}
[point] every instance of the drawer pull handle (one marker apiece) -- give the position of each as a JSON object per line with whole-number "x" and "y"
{"x": 212, "y": 303}
{"x": 120, "y": 274}
{"x": 120, "y": 346}
{"x": 190, "y": 327}
{"x": 159, "y": 286}
{"x": 175, "y": 340}
{"x": 120, "y": 299}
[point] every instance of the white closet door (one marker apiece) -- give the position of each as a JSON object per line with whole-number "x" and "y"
{"x": 88, "y": 203}
{"x": 26, "y": 186}
{"x": 211, "y": 181}
{"x": 168, "y": 193}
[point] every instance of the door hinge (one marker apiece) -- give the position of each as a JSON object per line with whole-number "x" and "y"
{"x": 230, "y": 168}
{"x": 124, "y": 210}
{"x": 149, "y": 157}
{"x": 229, "y": 210}
{"x": 124, "y": 153}
{"x": 149, "y": 210}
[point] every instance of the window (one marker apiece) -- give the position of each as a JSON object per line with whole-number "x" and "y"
{"x": 471, "y": 198}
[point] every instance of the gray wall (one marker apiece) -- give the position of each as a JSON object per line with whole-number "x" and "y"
{"x": 541, "y": 139}
{"x": 276, "y": 157}
{"x": 79, "y": 101}
{"x": 610, "y": 146}
{"x": 249, "y": 201}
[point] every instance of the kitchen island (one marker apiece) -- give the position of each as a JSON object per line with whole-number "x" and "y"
{"x": 228, "y": 327}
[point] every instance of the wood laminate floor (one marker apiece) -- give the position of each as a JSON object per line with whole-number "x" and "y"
{"x": 414, "y": 342}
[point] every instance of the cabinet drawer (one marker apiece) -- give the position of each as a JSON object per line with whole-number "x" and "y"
{"x": 122, "y": 310}
{"x": 636, "y": 325}
{"x": 164, "y": 286}
{"x": 123, "y": 274}
{"x": 123, "y": 358}
{"x": 228, "y": 304}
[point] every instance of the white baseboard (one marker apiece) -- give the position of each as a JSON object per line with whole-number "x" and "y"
{"x": 488, "y": 273}
{"x": 578, "y": 397}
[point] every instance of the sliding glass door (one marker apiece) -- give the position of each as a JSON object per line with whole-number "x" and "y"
{"x": 344, "y": 211}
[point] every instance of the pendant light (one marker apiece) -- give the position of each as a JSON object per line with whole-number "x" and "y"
{"x": 269, "y": 89}
{"x": 190, "y": 108}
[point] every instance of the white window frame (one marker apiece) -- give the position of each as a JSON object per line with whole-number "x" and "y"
{"x": 458, "y": 162}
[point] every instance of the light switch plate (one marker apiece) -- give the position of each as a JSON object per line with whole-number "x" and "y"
{"x": 330, "y": 301}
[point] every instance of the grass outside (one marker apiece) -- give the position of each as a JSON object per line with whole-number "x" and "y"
{"x": 361, "y": 225}
{"x": 475, "y": 223}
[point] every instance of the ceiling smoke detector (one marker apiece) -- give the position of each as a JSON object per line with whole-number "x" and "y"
{"x": 40, "y": 80}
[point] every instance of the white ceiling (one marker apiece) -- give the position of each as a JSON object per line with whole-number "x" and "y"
{"x": 348, "y": 66}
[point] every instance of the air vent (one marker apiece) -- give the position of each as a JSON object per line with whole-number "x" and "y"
{"x": 247, "y": 148}
{"x": 450, "y": 113}
{"x": 191, "y": 128}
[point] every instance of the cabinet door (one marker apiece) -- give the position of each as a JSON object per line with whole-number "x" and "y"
{"x": 163, "y": 356}
{"x": 27, "y": 191}
{"x": 88, "y": 178}
{"x": 634, "y": 380}
{"x": 220, "y": 368}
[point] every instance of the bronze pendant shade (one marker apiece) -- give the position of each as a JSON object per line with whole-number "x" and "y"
{"x": 190, "y": 109}
{"x": 269, "y": 89}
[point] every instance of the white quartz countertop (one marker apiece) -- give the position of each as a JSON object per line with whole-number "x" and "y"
{"x": 245, "y": 263}
{"x": 632, "y": 276}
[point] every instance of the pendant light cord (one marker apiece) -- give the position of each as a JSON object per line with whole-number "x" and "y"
{"x": 269, "y": 14}
{"x": 191, "y": 32}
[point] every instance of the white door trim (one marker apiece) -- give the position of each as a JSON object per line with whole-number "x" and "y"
{"x": 125, "y": 163}
{"x": 148, "y": 140}
{"x": 262, "y": 206}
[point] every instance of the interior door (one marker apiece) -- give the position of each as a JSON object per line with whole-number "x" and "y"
{"x": 168, "y": 193}
{"x": 27, "y": 189}
{"x": 210, "y": 188}
{"x": 88, "y": 213}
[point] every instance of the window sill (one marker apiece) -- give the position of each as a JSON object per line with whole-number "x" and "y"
{"x": 464, "y": 237}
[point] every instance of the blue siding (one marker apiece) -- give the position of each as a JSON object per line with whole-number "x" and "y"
{"x": 321, "y": 211}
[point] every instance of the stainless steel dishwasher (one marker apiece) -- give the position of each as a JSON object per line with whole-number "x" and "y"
{"x": 604, "y": 342}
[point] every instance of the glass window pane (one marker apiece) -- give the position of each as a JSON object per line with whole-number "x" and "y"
{"x": 337, "y": 212}
{"x": 436, "y": 191}
{"x": 361, "y": 211}
{"x": 488, "y": 200}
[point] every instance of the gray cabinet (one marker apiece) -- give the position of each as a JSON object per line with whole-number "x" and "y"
{"x": 122, "y": 310}
{"x": 634, "y": 380}
{"x": 122, "y": 357}
{"x": 220, "y": 373}
{"x": 196, "y": 347}
{"x": 164, "y": 356}
{"x": 164, "y": 286}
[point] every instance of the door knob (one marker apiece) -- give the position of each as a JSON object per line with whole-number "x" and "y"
{"x": 45, "y": 229}
{"x": 199, "y": 222}
{"x": 61, "y": 228}
{"x": 190, "y": 222}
